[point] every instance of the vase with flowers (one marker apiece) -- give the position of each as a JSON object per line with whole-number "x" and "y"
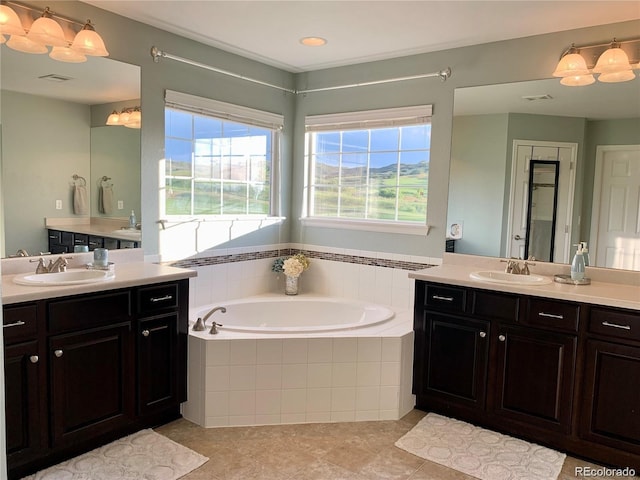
{"x": 292, "y": 267}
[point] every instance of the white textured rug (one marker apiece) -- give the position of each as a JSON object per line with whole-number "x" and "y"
{"x": 482, "y": 453}
{"x": 145, "y": 455}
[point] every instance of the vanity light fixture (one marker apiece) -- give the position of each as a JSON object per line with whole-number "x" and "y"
{"x": 45, "y": 31}
{"x": 130, "y": 117}
{"x": 612, "y": 64}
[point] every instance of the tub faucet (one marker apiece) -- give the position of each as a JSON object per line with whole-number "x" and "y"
{"x": 201, "y": 322}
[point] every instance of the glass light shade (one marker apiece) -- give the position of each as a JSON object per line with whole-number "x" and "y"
{"x": 113, "y": 119}
{"x": 124, "y": 118}
{"x": 10, "y": 23}
{"x": 133, "y": 125}
{"x": 615, "y": 77}
{"x": 47, "y": 32}
{"x": 612, "y": 60}
{"x": 571, "y": 64}
{"x": 23, "y": 44}
{"x": 2, "y": 39}
{"x": 135, "y": 117}
{"x": 88, "y": 42}
{"x": 578, "y": 80}
{"x": 65, "y": 54}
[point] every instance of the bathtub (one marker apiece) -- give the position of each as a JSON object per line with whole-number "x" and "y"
{"x": 299, "y": 314}
{"x": 302, "y": 359}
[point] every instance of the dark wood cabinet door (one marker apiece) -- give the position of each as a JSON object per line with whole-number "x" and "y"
{"x": 455, "y": 359}
{"x": 157, "y": 340}
{"x": 22, "y": 402}
{"x": 611, "y": 401}
{"x": 91, "y": 383}
{"x": 535, "y": 377}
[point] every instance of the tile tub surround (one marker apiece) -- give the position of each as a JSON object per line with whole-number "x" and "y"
{"x": 303, "y": 379}
{"x": 362, "y": 275}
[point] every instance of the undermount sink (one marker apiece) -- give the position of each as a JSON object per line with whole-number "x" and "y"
{"x": 70, "y": 277}
{"x": 496, "y": 276}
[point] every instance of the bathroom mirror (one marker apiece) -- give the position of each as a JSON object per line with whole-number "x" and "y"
{"x": 53, "y": 124}
{"x": 597, "y": 119}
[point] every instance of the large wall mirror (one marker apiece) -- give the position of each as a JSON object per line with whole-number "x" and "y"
{"x": 592, "y": 135}
{"x": 52, "y": 122}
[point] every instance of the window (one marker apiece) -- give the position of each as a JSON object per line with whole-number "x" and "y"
{"x": 219, "y": 158}
{"x": 369, "y": 165}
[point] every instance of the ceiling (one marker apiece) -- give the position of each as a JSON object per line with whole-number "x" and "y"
{"x": 361, "y": 31}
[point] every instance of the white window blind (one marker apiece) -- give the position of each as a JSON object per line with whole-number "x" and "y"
{"x": 223, "y": 110}
{"x": 388, "y": 117}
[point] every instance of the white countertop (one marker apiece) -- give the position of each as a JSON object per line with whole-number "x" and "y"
{"x": 126, "y": 275}
{"x": 598, "y": 292}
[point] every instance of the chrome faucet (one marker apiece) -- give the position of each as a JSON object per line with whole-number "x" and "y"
{"x": 201, "y": 322}
{"x": 59, "y": 265}
{"x": 515, "y": 268}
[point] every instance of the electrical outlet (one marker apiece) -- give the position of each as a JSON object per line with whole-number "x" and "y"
{"x": 58, "y": 204}
{"x": 120, "y": 205}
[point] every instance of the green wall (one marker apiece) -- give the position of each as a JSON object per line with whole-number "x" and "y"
{"x": 491, "y": 63}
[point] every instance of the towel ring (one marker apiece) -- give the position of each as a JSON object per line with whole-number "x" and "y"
{"x": 104, "y": 181}
{"x": 77, "y": 177}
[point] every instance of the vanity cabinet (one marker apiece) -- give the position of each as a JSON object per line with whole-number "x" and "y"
{"x": 24, "y": 369}
{"x": 94, "y": 367}
{"x": 611, "y": 401}
{"x": 559, "y": 373}
{"x": 451, "y": 351}
{"x": 64, "y": 242}
{"x": 161, "y": 347}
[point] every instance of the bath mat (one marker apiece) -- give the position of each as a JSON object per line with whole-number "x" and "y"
{"x": 145, "y": 455}
{"x": 485, "y": 454}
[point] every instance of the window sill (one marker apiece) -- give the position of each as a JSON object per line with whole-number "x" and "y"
{"x": 403, "y": 228}
{"x": 221, "y": 218}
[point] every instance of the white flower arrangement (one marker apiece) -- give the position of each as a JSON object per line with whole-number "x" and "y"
{"x": 292, "y": 266}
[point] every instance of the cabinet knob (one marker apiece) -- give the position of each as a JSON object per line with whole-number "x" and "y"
{"x": 58, "y": 353}
{"x": 502, "y": 338}
{"x": 34, "y": 358}
{"x": 483, "y": 334}
{"x": 145, "y": 333}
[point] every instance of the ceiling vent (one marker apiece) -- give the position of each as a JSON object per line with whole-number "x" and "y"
{"x": 54, "y": 77}
{"x": 532, "y": 98}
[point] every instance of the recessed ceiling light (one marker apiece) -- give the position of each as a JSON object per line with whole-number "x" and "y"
{"x": 313, "y": 41}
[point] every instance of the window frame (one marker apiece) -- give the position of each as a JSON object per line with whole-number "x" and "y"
{"x": 228, "y": 112}
{"x": 389, "y": 117}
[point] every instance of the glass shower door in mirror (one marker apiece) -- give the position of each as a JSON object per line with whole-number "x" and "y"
{"x": 518, "y": 238}
{"x": 542, "y": 208}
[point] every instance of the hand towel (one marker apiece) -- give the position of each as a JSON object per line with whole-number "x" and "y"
{"x": 107, "y": 199}
{"x": 80, "y": 200}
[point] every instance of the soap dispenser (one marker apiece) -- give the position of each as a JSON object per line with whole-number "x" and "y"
{"x": 577, "y": 265}
{"x": 132, "y": 220}
{"x": 585, "y": 254}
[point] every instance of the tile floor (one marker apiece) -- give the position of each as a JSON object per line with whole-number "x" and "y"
{"x": 320, "y": 451}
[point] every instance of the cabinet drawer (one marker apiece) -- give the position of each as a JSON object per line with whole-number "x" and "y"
{"x": 451, "y": 299}
{"x": 88, "y": 311}
{"x": 553, "y": 314}
{"x": 493, "y": 305}
{"x": 80, "y": 239}
{"x": 95, "y": 242}
{"x": 157, "y": 297}
{"x": 615, "y": 323}
{"x": 19, "y": 322}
